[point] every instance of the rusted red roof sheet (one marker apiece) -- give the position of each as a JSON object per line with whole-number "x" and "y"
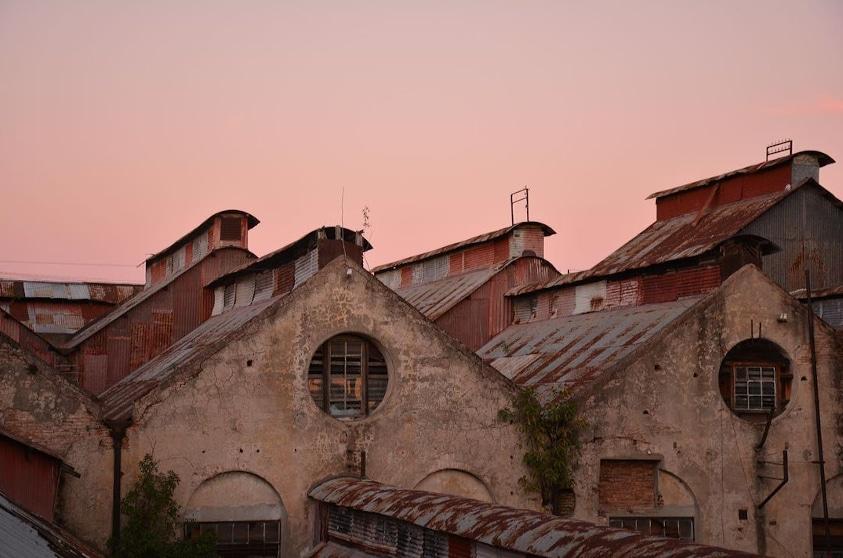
{"x": 570, "y": 351}
{"x": 205, "y": 340}
{"x": 822, "y": 158}
{"x": 250, "y": 219}
{"x": 284, "y": 254}
{"x": 437, "y": 297}
{"x": 530, "y": 532}
{"x": 111, "y": 293}
{"x": 816, "y": 294}
{"x": 97, "y": 325}
{"x": 462, "y": 244}
{"x": 334, "y": 550}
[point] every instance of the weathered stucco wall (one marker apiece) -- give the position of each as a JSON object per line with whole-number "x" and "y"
{"x": 665, "y": 403}
{"x": 39, "y": 405}
{"x": 439, "y": 411}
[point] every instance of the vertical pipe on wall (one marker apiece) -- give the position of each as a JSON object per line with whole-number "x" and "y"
{"x": 820, "y": 454}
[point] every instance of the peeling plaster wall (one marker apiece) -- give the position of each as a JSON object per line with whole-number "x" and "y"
{"x": 439, "y": 412}
{"x": 666, "y": 404}
{"x": 40, "y": 406}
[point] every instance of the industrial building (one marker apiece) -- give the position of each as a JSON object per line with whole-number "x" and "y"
{"x": 312, "y": 407}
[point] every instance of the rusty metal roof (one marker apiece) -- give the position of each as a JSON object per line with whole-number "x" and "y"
{"x": 250, "y": 219}
{"x": 111, "y": 293}
{"x": 285, "y": 254}
{"x": 23, "y": 535}
{"x": 816, "y": 294}
{"x": 530, "y": 532}
{"x": 206, "y": 339}
{"x": 566, "y": 352}
{"x": 101, "y": 323}
{"x": 822, "y": 158}
{"x": 334, "y": 550}
{"x": 462, "y": 244}
{"x": 681, "y": 237}
{"x": 437, "y": 297}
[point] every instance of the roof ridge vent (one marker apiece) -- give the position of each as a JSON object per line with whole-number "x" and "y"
{"x": 780, "y": 146}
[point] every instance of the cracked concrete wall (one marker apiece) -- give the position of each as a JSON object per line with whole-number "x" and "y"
{"x": 439, "y": 413}
{"x": 666, "y": 404}
{"x": 39, "y": 405}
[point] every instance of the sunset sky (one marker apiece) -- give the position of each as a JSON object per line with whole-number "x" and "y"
{"x": 124, "y": 124}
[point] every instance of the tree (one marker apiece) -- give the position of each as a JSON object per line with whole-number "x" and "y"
{"x": 551, "y": 439}
{"x": 151, "y": 519}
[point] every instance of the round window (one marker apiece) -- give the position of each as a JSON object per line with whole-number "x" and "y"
{"x": 347, "y": 377}
{"x": 755, "y": 379}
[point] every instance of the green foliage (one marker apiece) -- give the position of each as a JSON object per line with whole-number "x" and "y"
{"x": 151, "y": 519}
{"x": 551, "y": 437}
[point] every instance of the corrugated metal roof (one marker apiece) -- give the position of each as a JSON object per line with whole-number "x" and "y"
{"x": 251, "y": 220}
{"x": 530, "y": 532}
{"x": 204, "y": 340}
{"x": 111, "y": 293}
{"x": 829, "y": 292}
{"x": 437, "y": 297}
{"x": 284, "y": 254}
{"x": 462, "y": 244}
{"x": 22, "y": 535}
{"x": 334, "y": 550}
{"x": 822, "y": 158}
{"x": 98, "y": 325}
{"x": 551, "y": 355}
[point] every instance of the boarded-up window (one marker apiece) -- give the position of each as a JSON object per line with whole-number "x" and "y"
{"x": 627, "y": 484}
{"x": 347, "y": 376}
{"x": 230, "y": 228}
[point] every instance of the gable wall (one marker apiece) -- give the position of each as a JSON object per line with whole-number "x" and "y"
{"x": 440, "y": 411}
{"x": 666, "y": 405}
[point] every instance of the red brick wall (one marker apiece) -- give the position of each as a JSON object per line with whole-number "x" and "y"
{"x": 627, "y": 484}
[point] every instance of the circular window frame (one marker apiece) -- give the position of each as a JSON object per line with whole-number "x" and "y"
{"x": 783, "y": 361}
{"x": 390, "y": 379}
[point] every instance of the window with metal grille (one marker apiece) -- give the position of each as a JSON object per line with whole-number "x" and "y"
{"x": 230, "y": 228}
{"x": 755, "y": 379}
{"x": 347, "y": 377}
{"x": 239, "y": 538}
{"x": 670, "y": 527}
{"x": 755, "y": 388}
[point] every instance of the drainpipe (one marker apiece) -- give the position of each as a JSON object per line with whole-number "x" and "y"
{"x": 118, "y": 432}
{"x": 820, "y": 455}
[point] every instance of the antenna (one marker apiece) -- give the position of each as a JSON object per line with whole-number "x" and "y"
{"x": 780, "y": 147}
{"x": 522, "y": 195}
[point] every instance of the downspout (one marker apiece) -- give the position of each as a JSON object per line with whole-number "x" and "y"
{"x": 820, "y": 455}
{"x": 118, "y": 432}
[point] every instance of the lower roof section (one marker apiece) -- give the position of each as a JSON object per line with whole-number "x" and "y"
{"x": 23, "y": 535}
{"x": 523, "y": 531}
{"x": 551, "y": 355}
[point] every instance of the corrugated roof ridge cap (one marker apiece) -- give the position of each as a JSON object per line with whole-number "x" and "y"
{"x": 823, "y": 160}
{"x": 477, "y": 239}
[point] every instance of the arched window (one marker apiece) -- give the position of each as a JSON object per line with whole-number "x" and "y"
{"x": 755, "y": 378}
{"x": 347, "y": 377}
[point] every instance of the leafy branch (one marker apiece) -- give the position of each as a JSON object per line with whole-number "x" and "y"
{"x": 551, "y": 438}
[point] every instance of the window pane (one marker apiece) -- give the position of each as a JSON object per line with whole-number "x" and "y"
{"x": 272, "y": 529}
{"x": 256, "y": 531}
{"x": 241, "y": 533}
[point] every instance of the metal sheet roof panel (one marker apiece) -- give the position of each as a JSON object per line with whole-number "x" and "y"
{"x": 526, "y": 531}
{"x": 551, "y": 355}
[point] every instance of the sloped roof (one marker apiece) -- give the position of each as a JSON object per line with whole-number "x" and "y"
{"x": 24, "y": 535}
{"x": 284, "y": 254}
{"x": 822, "y": 158}
{"x": 681, "y": 237}
{"x": 101, "y": 323}
{"x": 462, "y": 244}
{"x": 250, "y": 219}
{"x": 566, "y": 352}
{"x": 112, "y": 293}
{"x": 205, "y": 340}
{"x": 437, "y": 297}
{"x": 524, "y": 531}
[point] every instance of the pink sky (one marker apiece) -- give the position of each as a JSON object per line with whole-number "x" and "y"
{"x": 124, "y": 124}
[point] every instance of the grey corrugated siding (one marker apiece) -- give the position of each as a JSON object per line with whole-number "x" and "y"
{"x": 823, "y": 234}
